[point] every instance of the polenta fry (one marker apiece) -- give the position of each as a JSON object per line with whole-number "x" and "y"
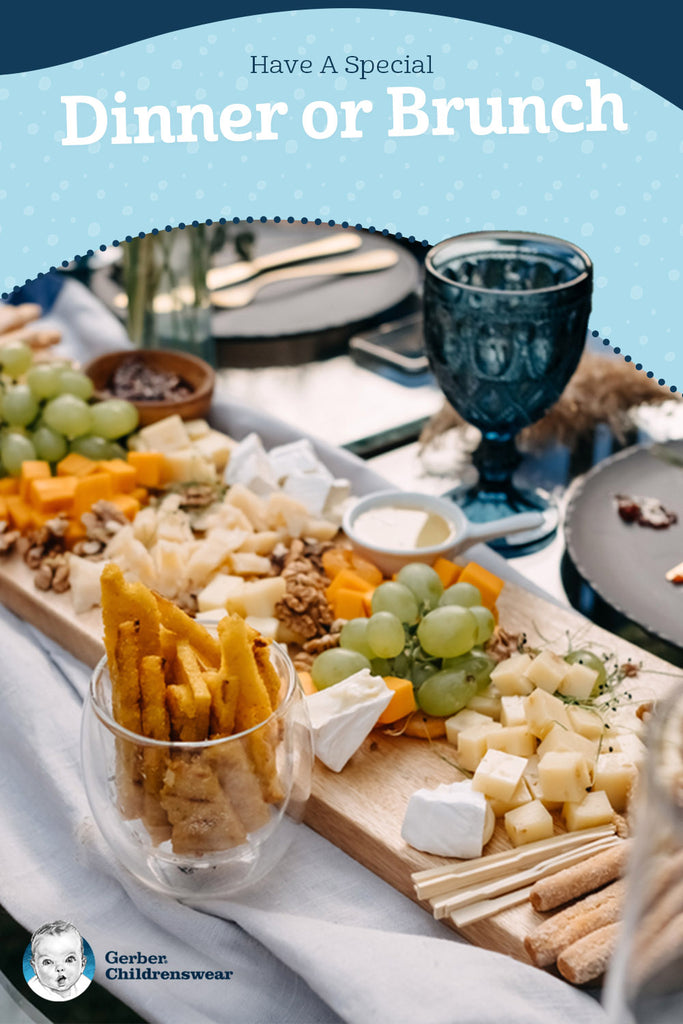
{"x": 183, "y": 625}
{"x": 122, "y": 601}
{"x": 187, "y": 671}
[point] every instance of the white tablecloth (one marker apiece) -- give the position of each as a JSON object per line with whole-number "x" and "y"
{"x": 322, "y": 939}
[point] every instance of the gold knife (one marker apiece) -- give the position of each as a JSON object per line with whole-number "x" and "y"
{"x": 232, "y": 273}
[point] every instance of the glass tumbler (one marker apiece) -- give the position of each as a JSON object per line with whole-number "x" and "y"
{"x": 644, "y": 983}
{"x": 198, "y": 819}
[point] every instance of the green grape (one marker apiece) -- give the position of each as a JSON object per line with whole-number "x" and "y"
{"x": 68, "y": 415}
{"x": 353, "y": 636}
{"x": 396, "y": 598}
{"x": 485, "y": 623}
{"x": 338, "y": 663}
{"x": 421, "y": 670}
{"x": 423, "y": 581}
{"x": 400, "y": 666}
{"x": 49, "y": 445}
{"x": 385, "y": 635}
{"x": 381, "y": 667}
{"x": 114, "y": 418}
{"x": 19, "y": 407}
{"x": 73, "y": 382}
{"x": 15, "y": 358}
{"x": 14, "y": 450}
{"x": 91, "y": 446}
{"x": 115, "y": 451}
{"x": 475, "y": 664}
{"x": 465, "y": 594}
{"x": 445, "y": 693}
{"x": 590, "y": 660}
{"x": 447, "y": 632}
{"x": 43, "y": 380}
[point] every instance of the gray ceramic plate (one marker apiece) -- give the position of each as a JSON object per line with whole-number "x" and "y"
{"x": 623, "y": 562}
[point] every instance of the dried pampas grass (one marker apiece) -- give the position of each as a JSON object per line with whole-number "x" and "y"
{"x": 602, "y": 390}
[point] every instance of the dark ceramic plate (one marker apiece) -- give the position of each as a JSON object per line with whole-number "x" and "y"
{"x": 623, "y": 562}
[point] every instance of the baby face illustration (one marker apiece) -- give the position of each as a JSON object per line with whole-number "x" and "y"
{"x": 58, "y": 960}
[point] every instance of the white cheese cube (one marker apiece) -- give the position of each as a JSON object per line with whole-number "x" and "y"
{"x": 512, "y": 739}
{"x": 543, "y": 711}
{"x": 498, "y": 774}
{"x": 294, "y": 458}
{"x": 564, "y": 776}
{"x": 246, "y": 563}
{"x": 166, "y": 435}
{"x": 286, "y": 513}
{"x": 586, "y": 722}
{"x": 249, "y": 465}
{"x": 578, "y": 682}
{"x": 196, "y": 429}
{"x": 219, "y": 592}
{"x": 547, "y": 670}
{"x": 565, "y": 739}
{"x": 528, "y": 823}
{"x": 266, "y": 625}
{"x": 451, "y": 821}
{"x": 534, "y": 785}
{"x": 215, "y": 447}
{"x": 261, "y": 542}
{"x": 339, "y": 492}
{"x": 464, "y": 719}
{"x": 186, "y": 464}
{"x": 311, "y": 489}
{"x": 615, "y": 775}
{"x": 509, "y": 676}
{"x": 512, "y": 710}
{"x": 319, "y": 529}
{"x": 249, "y": 504}
{"x": 627, "y": 743}
{"x": 472, "y": 744}
{"x": 520, "y": 796}
{"x": 84, "y": 578}
{"x": 344, "y": 714}
{"x": 260, "y": 597}
{"x": 595, "y": 809}
{"x": 487, "y": 702}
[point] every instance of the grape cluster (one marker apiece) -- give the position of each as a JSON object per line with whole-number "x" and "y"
{"x": 419, "y": 631}
{"x": 46, "y": 412}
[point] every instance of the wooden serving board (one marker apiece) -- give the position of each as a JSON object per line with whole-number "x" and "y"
{"x": 361, "y": 809}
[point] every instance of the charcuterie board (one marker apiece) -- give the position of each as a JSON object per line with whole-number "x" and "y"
{"x": 361, "y": 809}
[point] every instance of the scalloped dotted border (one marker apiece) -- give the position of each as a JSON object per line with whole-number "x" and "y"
{"x": 291, "y": 220}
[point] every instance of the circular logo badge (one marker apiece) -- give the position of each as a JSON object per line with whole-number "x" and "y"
{"x": 58, "y": 962}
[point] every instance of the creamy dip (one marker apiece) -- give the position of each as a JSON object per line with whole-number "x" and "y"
{"x": 402, "y": 529}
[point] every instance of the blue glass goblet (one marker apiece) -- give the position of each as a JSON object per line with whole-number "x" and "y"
{"x": 505, "y": 320}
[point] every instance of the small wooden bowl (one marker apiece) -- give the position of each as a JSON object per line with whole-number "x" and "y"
{"x": 198, "y": 374}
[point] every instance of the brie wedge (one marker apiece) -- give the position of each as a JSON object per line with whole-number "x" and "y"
{"x": 452, "y": 820}
{"x": 344, "y": 714}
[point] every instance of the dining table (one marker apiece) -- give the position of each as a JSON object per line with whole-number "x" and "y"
{"x": 321, "y": 938}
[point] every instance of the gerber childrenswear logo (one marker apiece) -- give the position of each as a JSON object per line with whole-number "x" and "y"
{"x": 151, "y": 967}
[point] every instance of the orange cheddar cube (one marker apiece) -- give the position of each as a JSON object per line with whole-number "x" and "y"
{"x": 337, "y": 560}
{"x": 447, "y": 571}
{"x": 141, "y": 494}
{"x": 487, "y": 583}
{"x": 55, "y": 494}
{"x": 32, "y": 469}
{"x": 9, "y": 485}
{"x": 89, "y": 489}
{"x": 4, "y": 514}
{"x": 401, "y": 704}
{"x": 348, "y": 580}
{"x": 148, "y": 467}
{"x": 75, "y": 464}
{"x": 348, "y": 604}
{"x": 20, "y": 514}
{"x": 127, "y": 504}
{"x": 123, "y": 474}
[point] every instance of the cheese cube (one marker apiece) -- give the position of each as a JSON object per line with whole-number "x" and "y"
{"x": 260, "y": 597}
{"x": 564, "y": 776}
{"x": 452, "y": 820}
{"x": 249, "y": 465}
{"x": 498, "y": 774}
{"x": 565, "y": 739}
{"x": 512, "y": 710}
{"x": 547, "y": 670}
{"x": 543, "y": 710}
{"x": 533, "y": 784}
{"x": 487, "y": 702}
{"x": 615, "y": 775}
{"x": 187, "y": 464}
{"x": 509, "y": 676}
{"x": 626, "y": 743}
{"x": 219, "y": 591}
{"x": 215, "y": 447}
{"x": 472, "y": 744}
{"x": 166, "y": 435}
{"x": 512, "y": 739}
{"x": 586, "y": 722}
{"x": 196, "y": 429}
{"x": 595, "y": 809}
{"x": 464, "y": 719}
{"x": 246, "y": 563}
{"x": 520, "y": 796}
{"x": 578, "y": 682}
{"x": 295, "y": 457}
{"x": 528, "y": 823}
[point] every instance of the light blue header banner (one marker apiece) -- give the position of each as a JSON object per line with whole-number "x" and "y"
{"x": 408, "y": 123}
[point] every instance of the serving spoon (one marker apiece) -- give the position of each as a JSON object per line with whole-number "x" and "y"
{"x": 238, "y": 296}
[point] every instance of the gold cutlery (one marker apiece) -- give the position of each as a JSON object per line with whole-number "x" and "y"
{"x": 233, "y": 273}
{"x": 363, "y": 263}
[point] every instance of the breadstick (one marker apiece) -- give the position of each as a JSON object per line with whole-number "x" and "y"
{"x": 587, "y": 958}
{"x": 34, "y": 337}
{"x": 556, "y": 934}
{"x": 591, "y": 874}
{"x": 13, "y": 317}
